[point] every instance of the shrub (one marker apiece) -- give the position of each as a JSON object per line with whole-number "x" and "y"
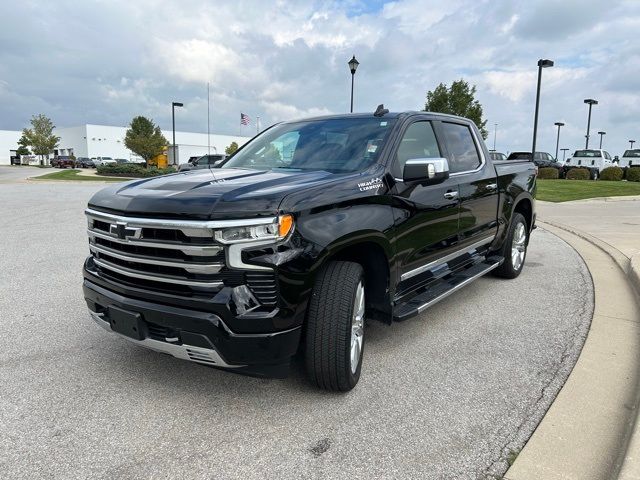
{"x": 548, "y": 173}
{"x": 578, "y": 174}
{"x": 633, "y": 174}
{"x": 132, "y": 170}
{"x": 612, "y": 173}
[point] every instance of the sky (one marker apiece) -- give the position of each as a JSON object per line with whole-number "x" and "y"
{"x": 106, "y": 61}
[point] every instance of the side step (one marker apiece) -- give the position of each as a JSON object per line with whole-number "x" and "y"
{"x": 443, "y": 289}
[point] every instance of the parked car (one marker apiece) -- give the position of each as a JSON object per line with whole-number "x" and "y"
{"x": 103, "y": 161}
{"x": 375, "y": 216}
{"x": 63, "y": 161}
{"x": 541, "y": 159}
{"x": 497, "y": 156}
{"x": 630, "y": 158}
{"x": 205, "y": 161}
{"x": 594, "y": 160}
{"x": 122, "y": 161}
{"x": 84, "y": 162}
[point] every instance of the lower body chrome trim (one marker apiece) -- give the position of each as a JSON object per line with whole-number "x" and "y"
{"x": 205, "y": 356}
{"x": 447, "y": 258}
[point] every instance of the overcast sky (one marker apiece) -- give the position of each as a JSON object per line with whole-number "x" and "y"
{"x": 104, "y": 62}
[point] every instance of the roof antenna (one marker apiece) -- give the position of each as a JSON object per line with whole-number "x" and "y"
{"x": 380, "y": 111}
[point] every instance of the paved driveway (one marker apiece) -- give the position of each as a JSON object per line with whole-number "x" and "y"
{"x": 447, "y": 395}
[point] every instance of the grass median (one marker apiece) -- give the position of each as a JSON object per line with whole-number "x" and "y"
{"x": 75, "y": 175}
{"x": 566, "y": 190}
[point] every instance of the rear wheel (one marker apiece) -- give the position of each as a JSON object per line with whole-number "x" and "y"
{"x": 515, "y": 248}
{"x": 335, "y": 327}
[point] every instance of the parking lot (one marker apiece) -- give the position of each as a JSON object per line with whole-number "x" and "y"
{"x": 454, "y": 393}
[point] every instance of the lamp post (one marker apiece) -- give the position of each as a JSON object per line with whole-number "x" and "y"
{"x": 173, "y": 128}
{"x": 564, "y": 153}
{"x": 495, "y": 133}
{"x": 601, "y": 135}
{"x": 558, "y": 124}
{"x": 353, "y": 66}
{"x": 631, "y": 142}
{"x": 541, "y": 64}
{"x": 591, "y": 102}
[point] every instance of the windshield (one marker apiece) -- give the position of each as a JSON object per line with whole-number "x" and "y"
{"x": 338, "y": 145}
{"x": 587, "y": 153}
{"x": 632, "y": 153}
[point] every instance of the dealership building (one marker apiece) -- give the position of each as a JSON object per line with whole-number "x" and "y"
{"x": 108, "y": 141}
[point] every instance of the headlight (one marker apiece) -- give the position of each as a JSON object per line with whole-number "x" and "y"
{"x": 255, "y": 233}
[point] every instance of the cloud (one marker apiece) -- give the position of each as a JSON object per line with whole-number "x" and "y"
{"x": 105, "y": 62}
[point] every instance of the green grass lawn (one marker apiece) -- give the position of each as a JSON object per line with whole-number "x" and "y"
{"x": 565, "y": 190}
{"x": 74, "y": 175}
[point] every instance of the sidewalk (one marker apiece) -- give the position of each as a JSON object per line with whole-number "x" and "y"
{"x": 590, "y": 431}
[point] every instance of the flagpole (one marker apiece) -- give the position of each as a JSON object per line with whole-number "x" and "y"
{"x": 257, "y": 124}
{"x": 208, "y": 122}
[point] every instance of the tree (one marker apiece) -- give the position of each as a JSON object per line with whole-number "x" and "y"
{"x": 231, "y": 148}
{"x": 457, "y": 100}
{"x": 40, "y": 136}
{"x": 144, "y": 138}
{"x": 23, "y": 148}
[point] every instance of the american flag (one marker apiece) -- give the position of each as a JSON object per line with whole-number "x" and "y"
{"x": 244, "y": 119}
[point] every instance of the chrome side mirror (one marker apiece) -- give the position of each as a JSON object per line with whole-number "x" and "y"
{"x": 427, "y": 171}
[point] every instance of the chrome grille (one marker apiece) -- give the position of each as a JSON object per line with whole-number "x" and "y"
{"x": 173, "y": 256}
{"x": 164, "y": 252}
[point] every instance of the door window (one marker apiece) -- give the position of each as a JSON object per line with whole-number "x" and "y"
{"x": 463, "y": 153}
{"x": 419, "y": 141}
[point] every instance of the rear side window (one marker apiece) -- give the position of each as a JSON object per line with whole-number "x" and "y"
{"x": 463, "y": 154}
{"x": 418, "y": 141}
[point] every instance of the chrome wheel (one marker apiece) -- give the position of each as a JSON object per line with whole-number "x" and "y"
{"x": 518, "y": 246}
{"x": 357, "y": 327}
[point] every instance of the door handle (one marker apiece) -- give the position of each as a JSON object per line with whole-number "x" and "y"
{"x": 492, "y": 186}
{"x": 451, "y": 195}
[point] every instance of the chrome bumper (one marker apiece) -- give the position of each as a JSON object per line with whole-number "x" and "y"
{"x": 201, "y": 355}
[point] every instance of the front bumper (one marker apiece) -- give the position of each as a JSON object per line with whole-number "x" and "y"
{"x": 201, "y": 337}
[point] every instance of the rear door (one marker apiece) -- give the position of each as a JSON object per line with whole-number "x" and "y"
{"x": 477, "y": 183}
{"x": 426, "y": 216}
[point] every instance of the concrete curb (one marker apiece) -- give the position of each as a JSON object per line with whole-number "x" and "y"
{"x": 587, "y": 431}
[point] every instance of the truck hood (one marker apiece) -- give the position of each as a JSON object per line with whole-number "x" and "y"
{"x": 207, "y": 194}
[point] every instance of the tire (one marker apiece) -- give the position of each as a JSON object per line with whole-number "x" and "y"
{"x": 513, "y": 264}
{"x": 595, "y": 175}
{"x": 335, "y": 327}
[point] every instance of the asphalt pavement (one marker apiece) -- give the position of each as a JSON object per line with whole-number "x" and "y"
{"x": 453, "y": 393}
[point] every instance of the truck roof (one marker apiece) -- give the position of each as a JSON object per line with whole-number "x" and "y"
{"x": 394, "y": 115}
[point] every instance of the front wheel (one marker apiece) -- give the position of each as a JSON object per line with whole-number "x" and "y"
{"x": 335, "y": 327}
{"x": 515, "y": 248}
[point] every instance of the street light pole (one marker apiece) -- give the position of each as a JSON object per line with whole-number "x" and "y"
{"x": 558, "y": 124}
{"x": 564, "y": 153}
{"x": 173, "y": 128}
{"x": 495, "y": 133}
{"x": 591, "y": 102}
{"x": 353, "y": 66}
{"x": 631, "y": 142}
{"x": 601, "y": 135}
{"x": 541, "y": 64}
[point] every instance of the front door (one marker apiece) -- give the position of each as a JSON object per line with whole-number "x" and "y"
{"x": 426, "y": 217}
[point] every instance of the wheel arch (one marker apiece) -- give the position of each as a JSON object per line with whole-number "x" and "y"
{"x": 373, "y": 252}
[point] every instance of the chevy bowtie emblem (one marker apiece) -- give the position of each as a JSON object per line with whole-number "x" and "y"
{"x": 121, "y": 230}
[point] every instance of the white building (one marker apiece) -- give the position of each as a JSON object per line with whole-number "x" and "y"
{"x": 107, "y": 141}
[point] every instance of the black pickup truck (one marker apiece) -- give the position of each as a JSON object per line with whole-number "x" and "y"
{"x": 310, "y": 228}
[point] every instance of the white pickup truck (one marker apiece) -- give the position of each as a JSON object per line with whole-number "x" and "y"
{"x": 595, "y": 160}
{"x": 630, "y": 158}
